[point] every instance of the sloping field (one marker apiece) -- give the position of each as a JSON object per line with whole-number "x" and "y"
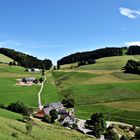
{"x": 110, "y": 63}
{"x": 103, "y": 87}
{"x": 40, "y": 131}
{"x": 4, "y": 59}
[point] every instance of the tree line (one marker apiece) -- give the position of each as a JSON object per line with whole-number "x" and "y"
{"x": 26, "y": 60}
{"x": 90, "y": 56}
{"x": 133, "y": 50}
{"x": 132, "y": 67}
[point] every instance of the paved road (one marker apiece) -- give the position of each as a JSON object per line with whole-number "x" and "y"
{"x": 119, "y": 123}
{"x": 81, "y": 127}
{"x": 39, "y": 97}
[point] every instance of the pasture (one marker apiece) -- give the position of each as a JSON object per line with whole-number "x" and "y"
{"x": 10, "y": 92}
{"x": 103, "y": 87}
{"x": 40, "y": 131}
{"x": 4, "y": 59}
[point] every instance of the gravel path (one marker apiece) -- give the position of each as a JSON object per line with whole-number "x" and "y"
{"x": 39, "y": 97}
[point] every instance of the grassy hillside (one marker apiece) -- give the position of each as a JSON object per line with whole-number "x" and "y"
{"x": 41, "y": 131}
{"x": 4, "y": 59}
{"x": 103, "y": 87}
{"x": 107, "y": 63}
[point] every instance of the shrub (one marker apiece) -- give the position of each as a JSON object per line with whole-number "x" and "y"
{"x": 137, "y": 134}
{"x": 68, "y": 103}
{"x": 66, "y": 124}
{"x": 29, "y": 126}
{"x": 123, "y": 138}
{"x": 41, "y": 79}
{"x": 111, "y": 135}
{"x": 35, "y": 81}
{"x": 97, "y": 124}
{"x": 54, "y": 115}
{"x": 74, "y": 126}
{"x": 19, "y": 107}
{"x": 47, "y": 119}
{"x": 14, "y": 135}
{"x": 2, "y": 106}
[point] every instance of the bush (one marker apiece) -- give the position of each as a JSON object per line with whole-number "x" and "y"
{"x": 97, "y": 124}
{"x": 111, "y": 135}
{"x": 2, "y": 106}
{"x": 19, "y": 107}
{"x": 54, "y": 115}
{"x": 137, "y": 134}
{"x": 66, "y": 124}
{"x": 15, "y": 135}
{"x": 68, "y": 103}
{"x": 41, "y": 79}
{"x": 29, "y": 126}
{"x": 74, "y": 126}
{"x": 123, "y": 138}
{"x": 81, "y": 63}
{"x": 47, "y": 119}
{"x": 35, "y": 81}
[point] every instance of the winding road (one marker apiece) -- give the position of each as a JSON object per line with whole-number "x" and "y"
{"x": 39, "y": 97}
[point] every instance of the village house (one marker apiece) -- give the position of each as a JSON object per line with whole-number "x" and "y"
{"x": 46, "y": 109}
{"x": 64, "y": 116}
{"x": 36, "y": 70}
{"x": 51, "y": 106}
{"x": 69, "y": 120}
{"x": 29, "y": 80}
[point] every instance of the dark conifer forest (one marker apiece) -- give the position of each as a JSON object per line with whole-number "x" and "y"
{"x": 26, "y": 60}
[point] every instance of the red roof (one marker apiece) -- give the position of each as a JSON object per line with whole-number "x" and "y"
{"x": 40, "y": 114}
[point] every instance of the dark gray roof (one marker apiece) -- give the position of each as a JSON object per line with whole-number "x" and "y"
{"x": 30, "y": 79}
{"x": 62, "y": 111}
{"x": 56, "y": 105}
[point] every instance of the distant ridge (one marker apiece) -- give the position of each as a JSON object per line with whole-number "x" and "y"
{"x": 26, "y": 60}
{"x": 5, "y": 59}
{"x": 99, "y": 53}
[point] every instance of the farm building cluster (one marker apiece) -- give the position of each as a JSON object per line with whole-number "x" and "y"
{"x": 28, "y": 81}
{"x": 64, "y": 116}
{"x": 36, "y": 70}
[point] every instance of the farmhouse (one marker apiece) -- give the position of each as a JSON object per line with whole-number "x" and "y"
{"x": 29, "y": 80}
{"x": 69, "y": 119}
{"x": 36, "y": 70}
{"x": 51, "y": 106}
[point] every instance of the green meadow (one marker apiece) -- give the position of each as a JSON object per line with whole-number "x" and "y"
{"x": 12, "y": 122}
{"x": 103, "y": 87}
{"x": 10, "y": 125}
{"x": 4, "y": 59}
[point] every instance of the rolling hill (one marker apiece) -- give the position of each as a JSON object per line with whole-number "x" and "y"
{"x": 12, "y": 128}
{"x": 102, "y": 87}
{"x": 5, "y": 59}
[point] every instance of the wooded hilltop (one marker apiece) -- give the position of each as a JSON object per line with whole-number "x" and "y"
{"x": 26, "y": 60}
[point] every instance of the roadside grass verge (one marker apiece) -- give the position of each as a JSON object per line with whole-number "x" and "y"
{"x": 50, "y": 92}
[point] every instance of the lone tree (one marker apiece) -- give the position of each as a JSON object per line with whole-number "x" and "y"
{"x": 47, "y": 119}
{"x": 68, "y": 102}
{"x": 111, "y": 135}
{"x": 137, "y": 134}
{"x": 54, "y": 115}
{"x": 41, "y": 79}
{"x": 43, "y": 72}
{"x": 123, "y": 138}
{"x": 97, "y": 124}
{"x": 29, "y": 126}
